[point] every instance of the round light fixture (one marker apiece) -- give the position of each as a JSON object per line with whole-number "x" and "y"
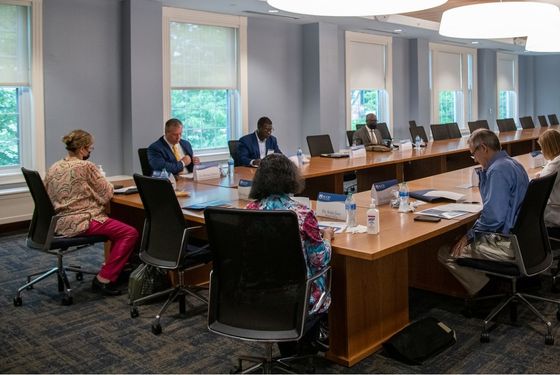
{"x": 352, "y": 8}
{"x": 506, "y": 19}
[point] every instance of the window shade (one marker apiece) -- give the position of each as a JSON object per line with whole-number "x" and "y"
{"x": 367, "y": 66}
{"x": 447, "y": 75}
{"x": 15, "y": 66}
{"x": 203, "y": 56}
{"x": 506, "y": 75}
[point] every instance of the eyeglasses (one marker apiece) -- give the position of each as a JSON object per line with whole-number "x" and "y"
{"x": 268, "y": 130}
{"x": 474, "y": 151}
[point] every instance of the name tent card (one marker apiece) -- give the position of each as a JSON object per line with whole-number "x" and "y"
{"x": 331, "y": 205}
{"x": 206, "y": 171}
{"x": 536, "y": 160}
{"x": 385, "y": 191}
{"x": 358, "y": 151}
{"x": 244, "y": 188}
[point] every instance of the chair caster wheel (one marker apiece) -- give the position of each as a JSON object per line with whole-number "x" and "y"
{"x": 134, "y": 312}
{"x": 67, "y": 301}
{"x": 79, "y": 276}
{"x": 484, "y": 337}
{"x": 156, "y": 328}
{"x": 549, "y": 340}
{"x": 17, "y": 301}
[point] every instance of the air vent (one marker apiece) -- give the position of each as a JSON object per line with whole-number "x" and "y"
{"x": 384, "y": 32}
{"x": 269, "y": 14}
{"x": 457, "y": 43}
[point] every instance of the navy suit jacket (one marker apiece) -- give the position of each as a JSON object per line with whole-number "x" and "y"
{"x": 248, "y": 148}
{"x": 160, "y": 156}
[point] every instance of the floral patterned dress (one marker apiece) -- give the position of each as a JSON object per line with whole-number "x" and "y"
{"x": 317, "y": 251}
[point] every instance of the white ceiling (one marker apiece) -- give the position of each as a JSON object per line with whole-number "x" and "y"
{"x": 385, "y": 25}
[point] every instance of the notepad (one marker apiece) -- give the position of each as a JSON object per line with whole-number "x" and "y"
{"x": 203, "y": 205}
{"x": 430, "y": 195}
{"x": 452, "y": 210}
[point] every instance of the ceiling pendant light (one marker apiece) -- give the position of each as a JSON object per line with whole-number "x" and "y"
{"x": 496, "y": 20}
{"x": 353, "y": 8}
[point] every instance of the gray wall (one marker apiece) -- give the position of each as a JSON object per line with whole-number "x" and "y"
{"x": 419, "y": 99}
{"x": 487, "y": 86}
{"x": 401, "y": 88}
{"x": 82, "y": 73}
{"x": 547, "y": 85}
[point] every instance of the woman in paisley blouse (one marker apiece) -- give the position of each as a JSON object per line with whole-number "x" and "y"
{"x": 275, "y": 180}
{"x": 75, "y": 185}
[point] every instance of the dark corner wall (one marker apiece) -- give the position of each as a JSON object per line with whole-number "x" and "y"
{"x": 103, "y": 73}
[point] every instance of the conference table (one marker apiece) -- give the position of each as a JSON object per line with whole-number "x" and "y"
{"x": 371, "y": 273}
{"x": 327, "y": 174}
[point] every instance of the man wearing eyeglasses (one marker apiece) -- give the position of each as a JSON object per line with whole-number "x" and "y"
{"x": 255, "y": 146}
{"x": 503, "y": 183}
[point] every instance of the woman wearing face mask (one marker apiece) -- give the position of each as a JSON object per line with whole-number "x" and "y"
{"x": 76, "y": 187}
{"x": 550, "y": 146}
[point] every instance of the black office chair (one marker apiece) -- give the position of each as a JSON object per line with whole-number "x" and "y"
{"x": 453, "y": 130}
{"x": 553, "y": 119}
{"x": 259, "y": 290}
{"x": 439, "y": 132}
{"x": 527, "y": 122}
{"x": 384, "y": 130}
{"x": 41, "y": 236}
{"x": 412, "y": 123}
{"x": 533, "y": 255}
{"x": 319, "y": 144}
{"x": 165, "y": 244}
{"x": 506, "y": 124}
{"x": 144, "y": 163}
{"x": 350, "y": 136}
{"x": 542, "y": 120}
{"x": 418, "y": 131}
{"x": 480, "y": 124}
{"x": 233, "y": 151}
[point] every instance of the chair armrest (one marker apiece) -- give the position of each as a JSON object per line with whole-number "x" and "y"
{"x": 326, "y": 271}
{"x": 52, "y": 226}
{"x": 478, "y": 233}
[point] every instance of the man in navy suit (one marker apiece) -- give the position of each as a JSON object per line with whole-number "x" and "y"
{"x": 255, "y": 146}
{"x": 170, "y": 151}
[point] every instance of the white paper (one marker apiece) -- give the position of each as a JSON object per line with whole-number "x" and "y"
{"x": 445, "y": 194}
{"x": 338, "y": 226}
{"x": 124, "y": 189}
{"x": 467, "y": 207}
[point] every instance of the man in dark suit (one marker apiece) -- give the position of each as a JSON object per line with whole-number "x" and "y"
{"x": 170, "y": 151}
{"x": 368, "y": 134}
{"x": 255, "y": 146}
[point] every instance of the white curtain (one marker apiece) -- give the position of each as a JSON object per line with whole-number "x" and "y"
{"x": 15, "y": 59}
{"x": 448, "y": 72}
{"x": 367, "y": 66}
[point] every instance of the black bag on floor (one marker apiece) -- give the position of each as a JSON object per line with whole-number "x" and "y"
{"x": 146, "y": 280}
{"x": 420, "y": 341}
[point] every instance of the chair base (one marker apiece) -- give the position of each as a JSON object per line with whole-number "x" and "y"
{"x": 272, "y": 365}
{"x": 511, "y": 299}
{"x": 179, "y": 292}
{"x": 63, "y": 283}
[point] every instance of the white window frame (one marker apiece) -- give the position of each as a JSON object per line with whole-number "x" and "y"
{"x": 386, "y": 41}
{"x": 32, "y": 128}
{"x": 211, "y": 19}
{"x": 434, "y": 112}
{"x": 514, "y": 59}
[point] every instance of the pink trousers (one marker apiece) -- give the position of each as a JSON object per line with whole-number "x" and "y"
{"x": 123, "y": 238}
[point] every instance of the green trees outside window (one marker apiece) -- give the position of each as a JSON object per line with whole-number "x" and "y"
{"x": 9, "y": 127}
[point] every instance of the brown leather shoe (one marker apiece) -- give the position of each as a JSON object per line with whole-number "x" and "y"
{"x": 107, "y": 289}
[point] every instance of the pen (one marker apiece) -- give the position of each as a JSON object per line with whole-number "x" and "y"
{"x": 471, "y": 202}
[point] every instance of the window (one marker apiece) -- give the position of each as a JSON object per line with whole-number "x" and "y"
{"x": 204, "y": 74}
{"x": 21, "y": 124}
{"x": 368, "y": 77}
{"x": 453, "y": 71}
{"x": 507, "y": 85}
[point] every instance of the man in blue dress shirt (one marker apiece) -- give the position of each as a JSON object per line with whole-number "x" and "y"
{"x": 503, "y": 183}
{"x": 255, "y": 146}
{"x": 170, "y": 152}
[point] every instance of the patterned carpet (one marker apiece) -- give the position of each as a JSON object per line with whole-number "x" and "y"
{"x": 97, "y": 335}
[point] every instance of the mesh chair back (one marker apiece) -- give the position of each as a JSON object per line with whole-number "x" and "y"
{"x": 412, "y": 123}
{"x": 319, "y": 144}
{"x": 542, "y": 120}
{"x": 43, "y": 211}
{"x": 144, "y": 163}
{"x": 350, "y": 136}
{"x": 527, "y": 122}
{"x": 480, "y": 124}
{"x": 439, "y": 132}
{"x": 164, "y": 227}
{"x": 418, "y": 131}
{"x": 258, "y": 282}
{"x": 530, "y": 229}
{"x": 384, "y": 130}
{"x": 233, "y": 147}
{"x": 506, "y": 125}
{"x": 453, "y": 130}
{"x": 553, "y": 120}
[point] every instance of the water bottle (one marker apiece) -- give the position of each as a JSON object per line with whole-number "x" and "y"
{"x": 299, "y": 157}
{"x": 231, "y": 167}
{"x": 100, "y": 167}
{"x": 350, "y": 206}
{"x": 372, "y": 218}
{"x": 403, "y": 198}
{"x": 417, "y": 142}
{"x": 169, "y": 176}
